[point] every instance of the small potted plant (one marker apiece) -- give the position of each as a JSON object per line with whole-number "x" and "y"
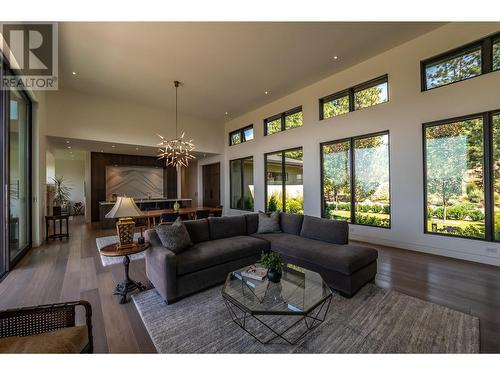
{"x": 272, "y": 262}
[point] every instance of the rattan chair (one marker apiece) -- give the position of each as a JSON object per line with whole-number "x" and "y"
{"x": 36, "y": 320}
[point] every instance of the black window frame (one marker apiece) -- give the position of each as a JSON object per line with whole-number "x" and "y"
{"x": 485, "y": 44}
{"x": 282, "y": 116}
{"x": 350, "y": 92}
{"x": 284, "y": 176}
{"x": 8, "y": 263}
{"x": 352, "y": 177}
{"x": 488, "y": 173}
{"x": 241, "y": 131}
{"x": 241, "y": 160}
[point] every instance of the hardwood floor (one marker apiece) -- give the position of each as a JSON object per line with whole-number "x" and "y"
{"x": 71, "y": 270}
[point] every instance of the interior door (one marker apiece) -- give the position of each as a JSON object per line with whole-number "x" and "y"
{"x": 211, "y": 185}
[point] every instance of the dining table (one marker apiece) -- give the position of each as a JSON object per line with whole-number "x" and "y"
{"x": 154, "y": 216}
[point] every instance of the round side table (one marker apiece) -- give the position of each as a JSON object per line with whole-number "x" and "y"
{"x": 127, "y": 285}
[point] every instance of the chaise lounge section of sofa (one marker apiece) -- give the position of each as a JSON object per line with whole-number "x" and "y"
{"x": 224, "y": 244}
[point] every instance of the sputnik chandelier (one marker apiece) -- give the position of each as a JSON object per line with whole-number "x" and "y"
{"x": 176, "y": 152}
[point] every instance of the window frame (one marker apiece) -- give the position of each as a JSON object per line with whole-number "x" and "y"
{"x": 241, "y": 131}
{"x": 283, "y": 174}
{"x": 350, "y": 92}
{"x": 352, "y": 177}
{"x": 485, "y": 45}
{"x": 488, "y": 173}
{"x": 283, "y": 116}
{"x": 241, "y": 160}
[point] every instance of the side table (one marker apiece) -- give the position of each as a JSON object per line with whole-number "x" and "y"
{"x": 127, "y": 285}
{"x": 54, "y": 219}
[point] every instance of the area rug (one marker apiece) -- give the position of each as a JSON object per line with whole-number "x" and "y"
{"x": 110, "y": 240}
{"x": 374, "y": 321}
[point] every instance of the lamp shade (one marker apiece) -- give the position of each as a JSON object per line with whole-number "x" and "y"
{"x": 124, "y": 207}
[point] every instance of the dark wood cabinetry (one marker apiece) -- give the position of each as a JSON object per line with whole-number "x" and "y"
{"x": 211, "y": 185}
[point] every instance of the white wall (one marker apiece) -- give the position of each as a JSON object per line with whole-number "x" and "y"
{"x": 403, "y": 116}
{"x": 73, "y": 172}
{"x": 77, "y": 115}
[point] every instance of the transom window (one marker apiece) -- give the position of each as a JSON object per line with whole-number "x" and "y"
{"x": 472, "y": 60}
{"x": 241, "y": 135}
{"x": 361, "y": 96}
{"x": 283, "y": 121}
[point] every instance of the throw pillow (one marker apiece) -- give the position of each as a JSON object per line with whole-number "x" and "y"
{"x": 269, "y": 223}
{"x": 174, "y": 237}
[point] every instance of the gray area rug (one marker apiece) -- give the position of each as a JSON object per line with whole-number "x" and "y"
{"x": 374, "y": 321}
{"x": 110, "y": 240}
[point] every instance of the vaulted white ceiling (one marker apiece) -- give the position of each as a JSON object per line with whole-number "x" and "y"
{"x": 224, "y": 67}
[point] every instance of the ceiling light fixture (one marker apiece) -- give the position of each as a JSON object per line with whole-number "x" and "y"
{"x": 67, "y": 141}
{"x": 69, "y": 146}
{"x": 113, "y": 146}
{"x": 335, "y": 57}
{"x": 266, "y": 92}
{"x": 74, "y": 73}
{"x": 177, "y": 151}
{"x": 226, "y": 113}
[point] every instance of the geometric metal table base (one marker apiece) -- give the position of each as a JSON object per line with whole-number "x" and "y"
{"x": 127, "y": 285}
{"x": 288, "y": 328}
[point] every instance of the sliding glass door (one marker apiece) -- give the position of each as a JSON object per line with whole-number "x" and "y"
{"x": 15, "y": 175}
{"x": 19, "y": 191}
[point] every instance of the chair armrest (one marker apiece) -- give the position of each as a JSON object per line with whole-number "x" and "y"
{"x": 32, "y": 320}
{"x": 161, "y": 269}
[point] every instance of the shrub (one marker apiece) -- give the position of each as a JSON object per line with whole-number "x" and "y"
{"x": 386, "y": 209}
{"x": 363, "y": 208}
{"x": 294, "y": 206}
{"x": 456, "y": 212}
{"x": 377, "y": 208}
{"x": 368, "y": 220}
{"x": 475, "y": 215}
{"x": 344, "y": 207}
{"x": 439, "y": 212}
{"x": 273, "y": 204}
{"x": 430, "y": 212}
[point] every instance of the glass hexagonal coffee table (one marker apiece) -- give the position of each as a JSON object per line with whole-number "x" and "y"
{"x": 283, "y": 312}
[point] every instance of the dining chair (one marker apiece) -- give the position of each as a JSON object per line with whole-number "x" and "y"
{"x": 169, "y": 218}
{"x": 202, "y": 214}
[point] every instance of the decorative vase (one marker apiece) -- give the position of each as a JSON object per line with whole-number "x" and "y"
{"x": 176, "y": 206}
{"x": 274, "y": 276}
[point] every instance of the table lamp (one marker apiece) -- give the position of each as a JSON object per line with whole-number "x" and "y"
{"x": 124, "y": 209}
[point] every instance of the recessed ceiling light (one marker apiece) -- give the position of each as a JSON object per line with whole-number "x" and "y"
{"x": 137, "y": 148}
{"x": 71, "y": 152}
{"x": 335, "y": 57}
{"x": 102, "y": 150}
{"x": 67, "y": 141}
{"x": 266, "y": 92}
{"x": 226, "y": 113}
{"x": 74, "y": 73}
{"x": 69, "y": 146}
{"x": 113, "y": 146}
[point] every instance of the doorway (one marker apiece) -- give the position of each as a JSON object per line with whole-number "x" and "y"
{"x": 211, "y": 185}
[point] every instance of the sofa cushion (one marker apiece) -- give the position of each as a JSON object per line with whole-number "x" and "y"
{"x": 61, "y": 341}
{"x": 227, "y": 226}
{"x": 345, "y": 259}
{"x": 333, "y": 231}
{"x": 174, "y": 237}
{"x": 269, "y": 223}
{"x": 213, "y": 253}
{"x": 291, "y": 223}
{"x": 252, "y": 223}
{"x": 198, "y": 230}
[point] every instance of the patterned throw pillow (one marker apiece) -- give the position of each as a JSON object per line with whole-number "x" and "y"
{"x": 174, "y": 237}
{"x": 269, "y": 223}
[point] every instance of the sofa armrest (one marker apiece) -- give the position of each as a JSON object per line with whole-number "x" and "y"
{"x": 161, "y": 269}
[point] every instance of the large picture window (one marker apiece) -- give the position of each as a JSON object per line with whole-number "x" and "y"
{"x": 462, "y": 196}
{"x": 361, "y": 96}
{"x": 355, "y": 180}
{"x": 241, "y": 182}
{"x": 283, "y": 121}
{"x": 284, "y": 181}
{"x": 471, "y": 60}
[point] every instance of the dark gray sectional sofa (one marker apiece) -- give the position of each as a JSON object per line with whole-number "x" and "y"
{"x": 224, "y": 244}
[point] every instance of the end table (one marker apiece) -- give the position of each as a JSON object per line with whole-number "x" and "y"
{"x": 127, "y": 285}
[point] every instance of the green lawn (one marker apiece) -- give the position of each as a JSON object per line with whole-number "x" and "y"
{"x": 454, "y": 223}
{"x": 347, "y": 214}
